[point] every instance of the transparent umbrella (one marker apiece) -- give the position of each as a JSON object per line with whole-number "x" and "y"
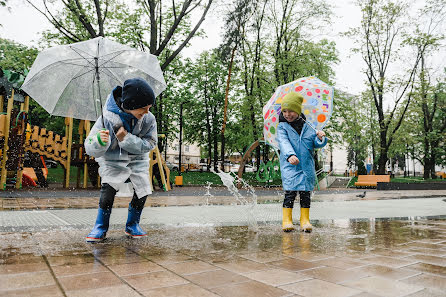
{"x": 74, "y": 80}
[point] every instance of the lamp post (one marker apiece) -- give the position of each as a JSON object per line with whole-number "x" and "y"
{"x": 181, "y": 138}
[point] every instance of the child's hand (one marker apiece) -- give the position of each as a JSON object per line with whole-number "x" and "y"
{"x": 293, "y": 160}
{"x": 121, "y": 134}
{"x": 320, "y": 134}
{"x": 104, "y": 135}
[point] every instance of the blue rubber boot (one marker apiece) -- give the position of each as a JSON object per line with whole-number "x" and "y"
{"x": 100, "y": 227}
{"x": 132, "y": 228}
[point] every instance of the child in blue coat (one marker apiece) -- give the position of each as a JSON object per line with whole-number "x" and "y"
{"x": 297, "y": 142}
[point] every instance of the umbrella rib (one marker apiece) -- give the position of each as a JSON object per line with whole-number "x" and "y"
{"x": 112, "y": 75}
{"x": 82, "y": 74}
{"x": 69, "y": 63}
{"x": 119, "y": 53}
{"x": 76, "y": 51}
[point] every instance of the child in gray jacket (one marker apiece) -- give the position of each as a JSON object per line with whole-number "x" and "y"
{"x": 120, "y": 143}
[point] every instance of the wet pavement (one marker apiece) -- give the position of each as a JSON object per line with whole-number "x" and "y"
{"x": 386, "y": 244}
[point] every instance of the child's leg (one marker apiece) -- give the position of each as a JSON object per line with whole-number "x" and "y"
{"x": 287, "y": 211}
{"x": 107, "y": 197}
{"x": 104, "y": 211}
{"x": 288, "y": 201}
{"x": 132, "y": 227}
{"x": 305, "y": 202}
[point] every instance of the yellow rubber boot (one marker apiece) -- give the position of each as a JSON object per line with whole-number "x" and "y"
{"x": 305, "y": 220}
{"x": 287, "y": 219}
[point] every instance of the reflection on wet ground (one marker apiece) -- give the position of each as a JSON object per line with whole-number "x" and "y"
{"x": 342, "y": 257}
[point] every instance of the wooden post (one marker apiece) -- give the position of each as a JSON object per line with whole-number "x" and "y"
{"x": 161, "y": 169}
{"x": 23, "y": 107}
{"x": 87, "y": 131}
{"x": 69, "y": 135}
{"x": 5, "y": 146}
{"x": 1, "y": 103}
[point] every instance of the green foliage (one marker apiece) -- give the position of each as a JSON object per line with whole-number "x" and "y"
{"x": 16, "y": 57}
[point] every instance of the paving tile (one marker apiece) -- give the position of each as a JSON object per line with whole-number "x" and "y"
{"x": 249, "y": 289}
{"x": 116, "y": 291}
{"x": 215, "y": 278}
{"x": 310, "y": 256}
{"x": 47, "y": 291}
{"x": 295, "y": 264}
{"x": 319, "y": 288}
{"x": 385, "y": 271}
{"x": 170, "y": 258}
{"x": 20, "y": 268}
{"x": 70, "y": 259}
{"x": 431, "y": 252}
{"x": 392, "y": 253}
{"x": 277, "y": 277}
{"x": 23, "y": 259}
{"x": 263, "y": 256}
{"x": 242, "y": 266}
{"x": 428, "y": 281}
{"x": 190, "y": 267}
{"x": 92, "y": 280}
{"x": 135, "y": 268}
{"x": 435, "y": 260}
{"x": 427, "y": 293}
{"x": 77, "y": 269}
{"x": 333, "y": 274}
{"x": 389, "y": 261}
{"x": 188, "y": 290}
{"x": 384, "y": 287}
{"x": 26, "y": 280}
{"x": 434, "y": 269}
{"x": 340, "y": 262}
{"x": 365, "y": 294}
{"x": 153, "y": 280}
{"x": 423, "y": 245}
{"x": 122, "y": 258}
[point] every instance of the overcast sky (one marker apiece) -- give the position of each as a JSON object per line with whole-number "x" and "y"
{"x": 23, "y": 24}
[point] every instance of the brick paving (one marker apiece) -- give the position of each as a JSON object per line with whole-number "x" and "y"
{"x": 344, "y": 256}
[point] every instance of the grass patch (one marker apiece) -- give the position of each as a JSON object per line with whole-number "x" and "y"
{"x": 56, "y": 175}
{"x": 414, "y": 179}
{"x": 196, "y": 178}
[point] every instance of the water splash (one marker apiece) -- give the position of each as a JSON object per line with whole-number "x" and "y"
{"x": 208, "y": 193}
{"x": 230, "y": 181}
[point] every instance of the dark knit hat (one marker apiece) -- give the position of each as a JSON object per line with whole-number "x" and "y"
{"x": 136, "y": 93}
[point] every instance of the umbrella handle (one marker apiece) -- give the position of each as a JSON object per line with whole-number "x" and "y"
{"x": 314, "y": 128}
{"x": 99, "y": 138}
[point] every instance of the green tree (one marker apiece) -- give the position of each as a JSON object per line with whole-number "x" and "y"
{"x": 205, "y": 78}
{"x": 15, "y": 56}
{"x": 381, "y": 38}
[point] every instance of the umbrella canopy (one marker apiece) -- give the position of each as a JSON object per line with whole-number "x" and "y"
{"x": 74, "y": 80}
{"x": 317, "y": 105}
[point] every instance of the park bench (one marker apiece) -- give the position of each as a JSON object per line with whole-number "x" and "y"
{"x": 371, "y": 180}
{"x": 441, "y": 174}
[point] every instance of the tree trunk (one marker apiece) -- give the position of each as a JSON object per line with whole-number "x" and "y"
{"x": 382, "y": 161}
{"x": 228, "y": 82}
{"x": 426, "y": 159}
{"x": 215, "y": 136}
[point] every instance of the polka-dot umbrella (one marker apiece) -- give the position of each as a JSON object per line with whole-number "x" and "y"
{"x": 317, "y": 105}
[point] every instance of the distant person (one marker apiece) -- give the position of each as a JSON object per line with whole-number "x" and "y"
{"x": 123, "y": 153}
{"x": 297, "y": 142}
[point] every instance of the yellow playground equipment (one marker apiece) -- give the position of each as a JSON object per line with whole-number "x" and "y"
{"x": 17, "y": 136}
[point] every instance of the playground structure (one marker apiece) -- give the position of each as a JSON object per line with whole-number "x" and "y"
{"x": 18, "y": 137}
